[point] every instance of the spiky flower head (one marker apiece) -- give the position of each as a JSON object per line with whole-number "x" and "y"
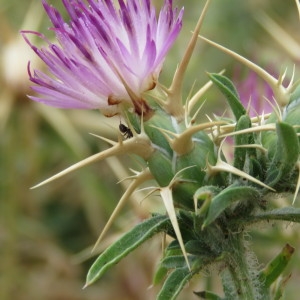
{"x": 106, "y": 55}
{"x": 109, "y": 56}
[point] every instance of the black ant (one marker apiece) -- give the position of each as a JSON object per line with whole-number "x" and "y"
{"x": 126, "y": 131}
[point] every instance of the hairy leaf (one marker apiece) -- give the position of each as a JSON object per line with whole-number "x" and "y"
{"x": 244, "y": 122}
{"x": 207, "y": 295}
{"x": 286, "y": 155}
{"x": 127, "y": 243}
{"x": 175, "y": 283}
{"x": 228, "y": 90}
{"x": 228, "y": 196}
{"x": 290, "y": 214}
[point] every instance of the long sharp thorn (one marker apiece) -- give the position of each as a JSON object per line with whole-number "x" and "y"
{"x": 142, "y": 177}
{"x": 166, "y": 194}
{"x": 281, "y": 93}
{"x": 174, "y": 102}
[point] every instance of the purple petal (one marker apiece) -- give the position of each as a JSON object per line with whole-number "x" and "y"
{"x": 99, "y": 44}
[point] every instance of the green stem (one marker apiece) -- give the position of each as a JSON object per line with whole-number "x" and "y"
{"x": 240, "y": 278}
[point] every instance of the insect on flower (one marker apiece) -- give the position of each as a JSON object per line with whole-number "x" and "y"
{"x": 126, "y": 131}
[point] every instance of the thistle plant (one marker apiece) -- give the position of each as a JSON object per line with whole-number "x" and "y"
{"x": 109, "y": 58}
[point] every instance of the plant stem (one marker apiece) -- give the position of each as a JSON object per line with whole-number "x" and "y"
{"x": 240, "y": 278}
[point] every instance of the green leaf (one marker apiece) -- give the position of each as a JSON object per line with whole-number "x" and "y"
{"x": 173, "y": 250}
{"x": 256, "y": 167}
{"x": 160, "y": 273}
{"x": 127, "y": 243}
{"x": 295, "y": 96}
{"x": 204, "y": 194}
{"x": 175, "y": 283}
{"x": 198, "y": 247}
{"x": 286, "y": 155}
{"x": 274, "y": 269}
{"x": 206, "y": 191}
{"x": 173, "y": 262}
{"x": 244, "y": 122}
{"x": 290, "y": 214}
{"x": 207, "y": 295}
{"x": 278, "y": 291}
{"x": 228, "y": 196}
{"x": 229, "y": 91}
{"x": 292, "y": 111}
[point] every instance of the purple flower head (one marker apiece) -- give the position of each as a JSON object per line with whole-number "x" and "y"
{"x": 105, "y": 55}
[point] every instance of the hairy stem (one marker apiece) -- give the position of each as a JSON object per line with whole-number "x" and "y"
{"x": 240, "y": 278}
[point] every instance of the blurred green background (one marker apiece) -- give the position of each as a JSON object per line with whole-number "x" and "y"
{"x": 46, "y": 234}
